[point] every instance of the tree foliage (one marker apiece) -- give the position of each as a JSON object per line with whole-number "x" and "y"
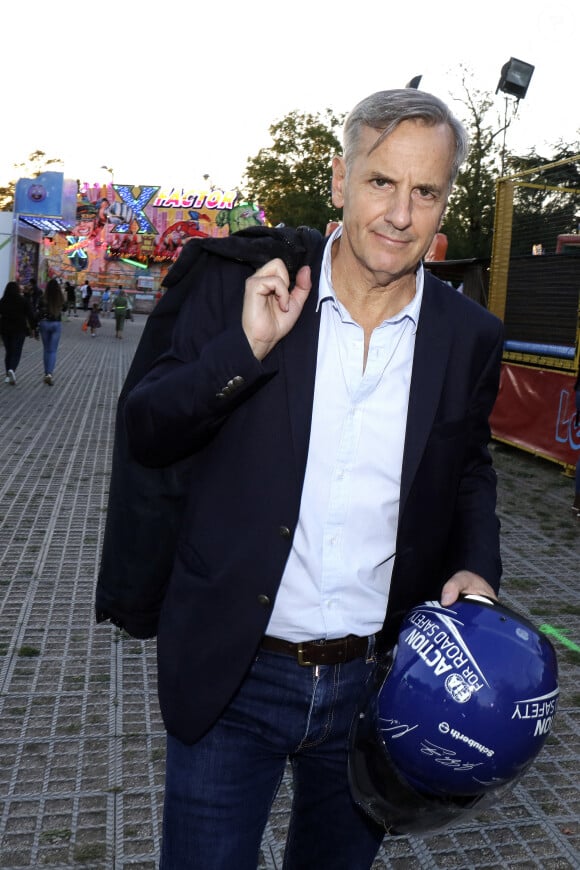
{"x": 36, "y": 163}
{"x": 291, "y": 179}
{"x": 539, "y": 214}
{"x": 469, "y": 219}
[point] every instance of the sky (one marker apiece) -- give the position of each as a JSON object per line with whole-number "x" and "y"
{"x": 167, "y": 93}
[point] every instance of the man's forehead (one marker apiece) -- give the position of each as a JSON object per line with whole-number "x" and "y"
{"x": 376, "y": 136}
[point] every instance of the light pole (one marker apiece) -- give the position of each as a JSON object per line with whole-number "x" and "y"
{"x": 514, "y": 80}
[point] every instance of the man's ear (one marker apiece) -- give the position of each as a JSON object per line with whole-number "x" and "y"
{"x": 338, "y": 178}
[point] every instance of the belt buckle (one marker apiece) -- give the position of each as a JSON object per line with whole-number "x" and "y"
{"x": 300, "y": 654}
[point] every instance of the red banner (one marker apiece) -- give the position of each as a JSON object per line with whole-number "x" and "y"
{"x": 535, "y": 410}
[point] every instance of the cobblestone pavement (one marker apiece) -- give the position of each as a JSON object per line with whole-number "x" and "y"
{"x": 81, "y": 740}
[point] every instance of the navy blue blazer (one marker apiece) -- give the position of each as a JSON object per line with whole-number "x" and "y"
{"x": 247, "y": 425}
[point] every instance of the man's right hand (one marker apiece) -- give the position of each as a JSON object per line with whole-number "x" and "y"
{"x": 270, "y": 309}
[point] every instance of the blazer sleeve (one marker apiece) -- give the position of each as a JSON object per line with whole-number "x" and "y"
{"x": 474, "y": 539}
{"x": 210, "y": 368}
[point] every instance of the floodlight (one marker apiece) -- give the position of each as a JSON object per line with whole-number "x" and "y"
{"x": 515, "y": 78}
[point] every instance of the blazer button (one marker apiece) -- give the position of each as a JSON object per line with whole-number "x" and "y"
{"x": 264, "y": 600}
{"x": 285, "y": 531}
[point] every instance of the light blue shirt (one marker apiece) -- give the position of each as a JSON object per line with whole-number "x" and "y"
{"x": 337, "y": 577}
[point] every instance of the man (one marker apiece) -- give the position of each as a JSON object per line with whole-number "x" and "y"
{"x": 120, "y": 308}
{"x": 86, "y": 293}
{"x": 106, "y": 301}
{"x": 340, "y": 476}
{"x": 71, "y": 298}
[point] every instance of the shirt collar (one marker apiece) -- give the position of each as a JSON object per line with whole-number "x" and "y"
{"x": 326, "y": 290}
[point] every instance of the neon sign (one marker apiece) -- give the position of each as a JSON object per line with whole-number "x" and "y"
{"x": 192, "y": 197}
{"x": 76, "y": 245}
{"x": 136, "y": 205}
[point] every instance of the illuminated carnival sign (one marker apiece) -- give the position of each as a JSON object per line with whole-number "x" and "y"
{"x": 145, "y": 224}
{"x": 180, "y": 197}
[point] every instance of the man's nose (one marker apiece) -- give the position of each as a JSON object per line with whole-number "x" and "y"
{"x": 398, "y": 211}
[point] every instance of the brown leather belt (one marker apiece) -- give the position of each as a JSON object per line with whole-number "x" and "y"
{"x": 320, "y": 652}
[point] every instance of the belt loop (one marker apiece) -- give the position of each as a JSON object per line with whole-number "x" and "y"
{"x": 371, "y": 648}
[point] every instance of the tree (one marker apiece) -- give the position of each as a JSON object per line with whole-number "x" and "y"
{"x": 7, "y": 196}
{"x": 469, "y": 219}
{"x": 537, "y": 213}
{"x": 291, "y": 179}
{"x": 37, "y": 163}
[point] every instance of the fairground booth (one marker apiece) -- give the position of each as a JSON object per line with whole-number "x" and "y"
{"x": 115, "y": 235}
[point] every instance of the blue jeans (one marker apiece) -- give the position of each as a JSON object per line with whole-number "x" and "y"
{"x": 50, "y": 334}
{"x": 219, "y": 791}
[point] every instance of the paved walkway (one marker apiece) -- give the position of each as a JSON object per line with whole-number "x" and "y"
{"x": 81, "y": 740}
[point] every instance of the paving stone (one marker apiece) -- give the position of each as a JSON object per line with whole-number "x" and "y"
{"x": 81, "y": 737}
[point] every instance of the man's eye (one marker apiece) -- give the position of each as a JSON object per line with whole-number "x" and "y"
{"x": 380, "y": 182}
{"x": 426, "y": 193}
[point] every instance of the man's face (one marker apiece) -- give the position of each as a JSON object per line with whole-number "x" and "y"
{"x": 393, "y": 197}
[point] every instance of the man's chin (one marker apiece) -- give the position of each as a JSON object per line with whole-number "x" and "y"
{"x": 386, "y": 272}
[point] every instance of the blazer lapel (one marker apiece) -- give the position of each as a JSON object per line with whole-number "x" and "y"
{"x": 432, "y": 346}
{"x": 298, "y": 352}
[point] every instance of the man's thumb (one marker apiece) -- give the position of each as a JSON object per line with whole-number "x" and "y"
{"x": 303, "y": 280}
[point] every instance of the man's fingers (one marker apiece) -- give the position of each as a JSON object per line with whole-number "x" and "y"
{"x": 464, "y": 583}
{"x": 272, "y": 279}
{"x": 273, "y": 269}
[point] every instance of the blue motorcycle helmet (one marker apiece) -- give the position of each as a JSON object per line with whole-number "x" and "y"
{"x": 453, "y": 716}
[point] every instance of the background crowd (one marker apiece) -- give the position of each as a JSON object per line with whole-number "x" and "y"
{"x": 30, "y": 312}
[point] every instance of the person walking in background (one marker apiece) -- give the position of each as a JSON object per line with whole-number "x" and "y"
{"x": 86, "y": 293}
{"x": 50, "y": 326}
{"x": 93, "y": 321}
{"x": 120, "y": 308}
{"x": 34, "y": 294}
{"x": 106, "y": 300}
{"x": 16, "y": 322}
{"x": 71, "y": 298}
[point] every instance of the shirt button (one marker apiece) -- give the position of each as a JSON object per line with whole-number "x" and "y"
{"x": 264, "y": 600}
{"x": 285, "y": 531}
